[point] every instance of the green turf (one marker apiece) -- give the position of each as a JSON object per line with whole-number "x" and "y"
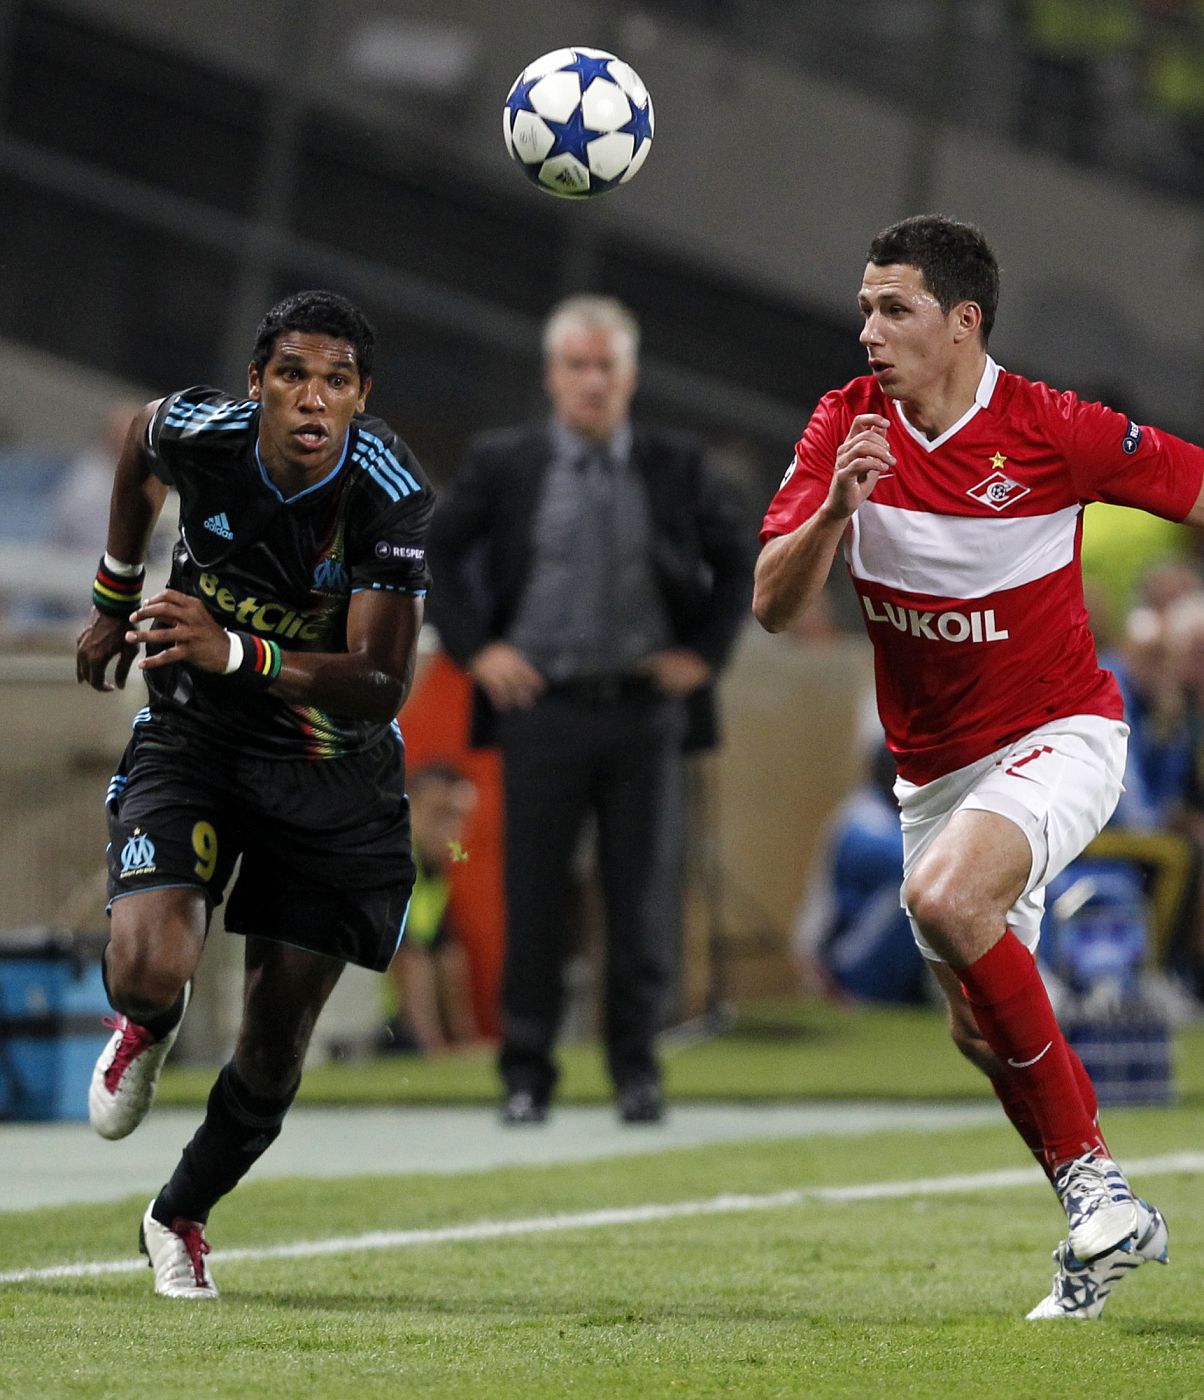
{"x": 776, "y": 1053}
{"x": 912, "y": 1297}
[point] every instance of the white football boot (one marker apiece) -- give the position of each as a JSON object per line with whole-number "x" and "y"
{"x": 127, "y": 1073}
{"x": 177, "y": 1256}
{"x": 1100, "y": 1207}
{"x": 1081, "y": 1290}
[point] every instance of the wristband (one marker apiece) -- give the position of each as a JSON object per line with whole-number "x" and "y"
{"x": 259, "y": 664}
{"x": 121, "y": 569}
{"x": 234, "y": 660}
{"x": 116, "y": 594}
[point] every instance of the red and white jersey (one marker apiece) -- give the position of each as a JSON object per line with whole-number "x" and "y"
{"x": 966, "y": 556}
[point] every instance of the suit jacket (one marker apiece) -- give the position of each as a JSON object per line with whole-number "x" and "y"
{"x": 480, "y": 550}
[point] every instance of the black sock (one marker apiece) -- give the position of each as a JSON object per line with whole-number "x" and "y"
{"x": 239, "y": 1128}
{"x": 166, "y": 1021}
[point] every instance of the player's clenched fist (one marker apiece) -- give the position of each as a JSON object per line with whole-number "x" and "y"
{"x": 860, "y": 460}
{"x": 185, "y": 630}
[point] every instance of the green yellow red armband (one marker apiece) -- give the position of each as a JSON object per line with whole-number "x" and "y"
{"x": 116, "y": 595}
{"x": 254, "y": 660}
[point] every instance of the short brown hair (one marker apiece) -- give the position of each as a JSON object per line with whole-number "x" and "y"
{"x": 953, "y": 258}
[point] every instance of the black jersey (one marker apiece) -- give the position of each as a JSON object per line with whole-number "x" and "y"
{"x": 282, "y": 569}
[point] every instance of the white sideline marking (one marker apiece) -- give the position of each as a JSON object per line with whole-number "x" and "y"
{"x": 617, "y": 1215}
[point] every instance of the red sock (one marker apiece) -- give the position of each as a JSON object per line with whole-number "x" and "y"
{"x": 1086, "y": 1092}
{"x": 1016, "y": 1107}
{"x": 1012, "y": 1010}
{"x": 1010, "y": 1095}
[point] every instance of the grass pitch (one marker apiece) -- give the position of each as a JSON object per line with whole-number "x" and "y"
{"x": 774, "y": 1053}
{"x": 921, "y": 1295}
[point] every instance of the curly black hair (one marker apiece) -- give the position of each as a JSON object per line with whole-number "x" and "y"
{"x": 324, "y": 313}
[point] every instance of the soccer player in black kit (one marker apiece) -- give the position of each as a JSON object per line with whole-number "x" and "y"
{"x": 276, "y": 661}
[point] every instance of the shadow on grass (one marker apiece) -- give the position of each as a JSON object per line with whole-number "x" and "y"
{"x": 543, "y": 1311}
{"x": 505, "y": 1308}
{"x": 1187, "y": 1330}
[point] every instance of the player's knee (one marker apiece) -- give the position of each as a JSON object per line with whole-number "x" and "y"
{"x": 142, "y": 983}
{"x": 936, "y": 903}
{"x": 157, "y": 938}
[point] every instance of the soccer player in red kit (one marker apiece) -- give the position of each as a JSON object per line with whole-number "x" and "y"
{"x": 955, "y": 491}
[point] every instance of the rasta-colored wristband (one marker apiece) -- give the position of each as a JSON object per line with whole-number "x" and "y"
{"x": 116, "y": 595}
{"x": 260, "y": 664}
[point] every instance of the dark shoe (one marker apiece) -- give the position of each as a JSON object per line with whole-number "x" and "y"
{"x": 522, "y": 1106}
{"x": 641, "y": 1102}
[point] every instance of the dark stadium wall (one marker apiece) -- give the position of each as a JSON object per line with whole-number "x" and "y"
{"x": 760, "y": 172}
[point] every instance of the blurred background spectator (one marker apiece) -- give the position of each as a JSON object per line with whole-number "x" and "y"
{"x": 428, "y": 999}
{"x": 851, "y": 936}
{"x": 1156, "y": 829}
{"x": 79, "y": 507}
{"x": 597, "y": 572}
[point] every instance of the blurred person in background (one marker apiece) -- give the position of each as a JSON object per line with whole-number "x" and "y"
{"x": 276, "y": 661}
{"x": 1150, "y": 828}
{"x": 79, "y": 508}
{"x": 852, "y": 939}
{"x": 71, "y": 515}
{"x": 1149, "y": 670}
{"x": 955, "y": 491}
{"x": 593, "y": 577}
{"x": 1185, "y": 644}
{"x": 430, "y": 1009}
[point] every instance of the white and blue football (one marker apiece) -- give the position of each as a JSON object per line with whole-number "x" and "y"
{"x": 578, "y": 122}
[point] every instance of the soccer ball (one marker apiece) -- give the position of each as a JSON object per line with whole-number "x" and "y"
{"x": 578, "y": 122}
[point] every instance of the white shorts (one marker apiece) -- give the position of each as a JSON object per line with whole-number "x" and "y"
{"x": 1059, "y": 784}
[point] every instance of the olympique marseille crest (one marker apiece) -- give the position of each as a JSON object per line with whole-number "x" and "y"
{"x": 998, "y": 490}
{"x": 138, "y": 855}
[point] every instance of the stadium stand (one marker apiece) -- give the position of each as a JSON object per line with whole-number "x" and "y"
{"x": 159, "y": 185}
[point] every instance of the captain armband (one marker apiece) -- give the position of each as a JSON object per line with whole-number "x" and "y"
{"x": 253, "y": 660}
{"x": 117, "y": 587}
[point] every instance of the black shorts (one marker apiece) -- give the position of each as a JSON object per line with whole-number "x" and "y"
{"x": 325, "y": 844}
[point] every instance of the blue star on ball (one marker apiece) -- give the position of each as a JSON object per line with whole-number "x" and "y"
{"x": 518, "y": 101}
{"x": 640, "y": 125}
{"x": 590, "y": 68}
{"x": 571, "y": 137}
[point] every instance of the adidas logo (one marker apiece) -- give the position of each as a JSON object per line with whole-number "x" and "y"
{"x": 219, "y": 525}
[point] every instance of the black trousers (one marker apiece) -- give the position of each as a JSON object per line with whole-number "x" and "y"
{"x": 619, "y": 755}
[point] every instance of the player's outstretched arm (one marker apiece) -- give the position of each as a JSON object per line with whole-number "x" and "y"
{"x": 793, "y": 568}
{"x": 370, "y": 680}
{"x": 1195, "y": 516}
{"x": 134, "y": 507}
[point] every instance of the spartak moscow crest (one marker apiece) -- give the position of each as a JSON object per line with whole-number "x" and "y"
{"x": 998, "y": 490}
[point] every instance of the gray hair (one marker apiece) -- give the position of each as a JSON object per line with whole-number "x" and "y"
{"x": 590, "y": 313}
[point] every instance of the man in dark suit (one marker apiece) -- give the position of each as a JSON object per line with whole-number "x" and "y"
{"x": 591, "y": 577}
